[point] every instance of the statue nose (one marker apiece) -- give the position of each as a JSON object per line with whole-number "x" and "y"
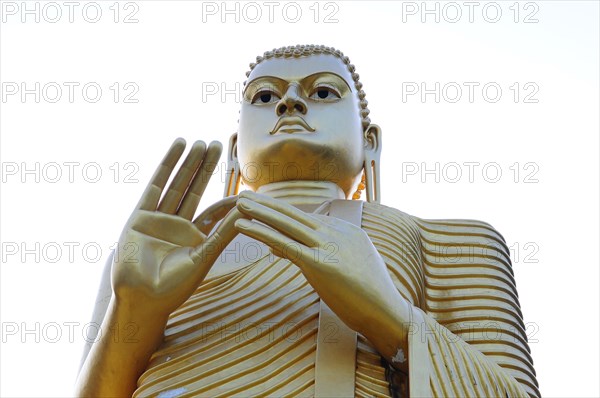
{"x": 291, "y": 102}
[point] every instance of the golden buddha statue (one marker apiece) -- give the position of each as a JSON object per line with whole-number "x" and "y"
{"x": 296, "y": 287}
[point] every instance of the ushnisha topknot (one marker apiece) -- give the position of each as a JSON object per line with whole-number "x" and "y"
{"x": 302, "y": 50}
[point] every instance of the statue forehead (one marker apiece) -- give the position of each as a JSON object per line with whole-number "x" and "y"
{"x": 297, "y": 68}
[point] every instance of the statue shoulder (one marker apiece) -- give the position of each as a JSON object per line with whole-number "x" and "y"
{"x": 461, "y": 237}
{"x": 465, "y": 237}
{"x": 423, "y": 222}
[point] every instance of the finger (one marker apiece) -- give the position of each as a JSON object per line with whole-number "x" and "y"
{"x": 196, "y": 190}
{"x": 214, "y": 213}
{"x": 151, "y": 196}
{"x": 280, "y": 244}
{"x": 283, "y": 208}
{"x": 216, "y": 242}
{"x": 182, "y": 179}
{"x": 279, "y": 221}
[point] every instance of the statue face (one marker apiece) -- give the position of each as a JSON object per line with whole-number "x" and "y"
{"x": 300, "y": 120}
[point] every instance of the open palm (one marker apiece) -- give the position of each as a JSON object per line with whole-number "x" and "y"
{"x": 162, "y": 255}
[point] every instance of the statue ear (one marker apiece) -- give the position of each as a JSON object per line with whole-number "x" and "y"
{"x": 232, "y": 174}
{"x": 372, "y": 153}
{"x": 372, "y": 136}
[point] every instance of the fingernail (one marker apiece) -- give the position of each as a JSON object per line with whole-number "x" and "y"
{"x": 243, "y": 204}
{"x": 242, "y": 224}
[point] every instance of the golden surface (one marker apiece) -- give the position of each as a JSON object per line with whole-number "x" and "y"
{"x": 229, "y": 304}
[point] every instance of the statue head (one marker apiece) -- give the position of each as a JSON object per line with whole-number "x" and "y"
{"x": 304, "y": 117}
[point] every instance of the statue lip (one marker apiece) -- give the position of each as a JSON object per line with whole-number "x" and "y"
{"x": 292, "y": 124}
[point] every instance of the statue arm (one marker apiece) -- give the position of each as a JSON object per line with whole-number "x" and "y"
{"x": 471, "y": 295}
{"x": 439, "y": 363}
{"x": 457, "y": 278}
{"x": 442, "y": 365}
{"x": 170, "y": 259}
{"x": 128, "y": 338}
{"x": 101, "y": 306}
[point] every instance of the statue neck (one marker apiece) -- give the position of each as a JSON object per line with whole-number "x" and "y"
{"x": 306, "y": 195}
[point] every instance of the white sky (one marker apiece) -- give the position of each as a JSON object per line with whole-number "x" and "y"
{"x": 548, "y": 211}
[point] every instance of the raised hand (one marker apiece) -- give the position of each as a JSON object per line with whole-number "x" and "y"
{"x": 336, "y": 257}
{"x": 162, "y": 255}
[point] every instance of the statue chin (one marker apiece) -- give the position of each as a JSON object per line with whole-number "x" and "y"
{"x": 289, "y": 161}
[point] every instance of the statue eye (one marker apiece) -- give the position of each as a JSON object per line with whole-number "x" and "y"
{"x": 325, "y": 93}
{"x": 265, "y": 97}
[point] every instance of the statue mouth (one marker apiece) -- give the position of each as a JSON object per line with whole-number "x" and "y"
{"x": 291, "y": 124}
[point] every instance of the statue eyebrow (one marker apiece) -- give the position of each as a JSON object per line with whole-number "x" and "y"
{"x": 314, "y": 76}
{"x": 278, "y": 81}
{"x": 309, "y": 78}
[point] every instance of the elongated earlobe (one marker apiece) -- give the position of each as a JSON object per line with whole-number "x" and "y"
{"x": 372, "y": 161}
{"x": 232, "y": 175}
